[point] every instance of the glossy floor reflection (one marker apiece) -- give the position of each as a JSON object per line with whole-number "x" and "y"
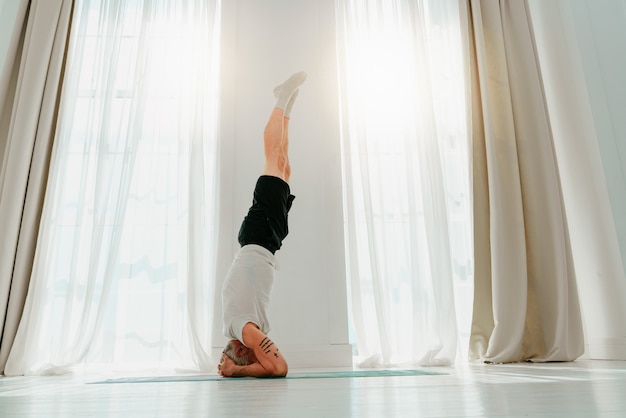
{"x": 578, "y": 389}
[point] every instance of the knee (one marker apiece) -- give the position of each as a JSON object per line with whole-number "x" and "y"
{"x": 278, "y": 165}
{"x": 282, "y": 163}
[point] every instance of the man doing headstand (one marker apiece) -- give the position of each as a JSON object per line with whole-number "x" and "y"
{"x": 247, "y": 288}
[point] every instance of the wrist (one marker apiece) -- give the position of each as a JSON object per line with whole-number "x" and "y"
{"x": 238, "y": 371}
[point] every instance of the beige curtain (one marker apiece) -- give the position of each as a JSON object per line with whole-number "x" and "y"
{"x": 30, "y": 84}
{"x": 526, "y": 302}
{"x": 577, "y": 136}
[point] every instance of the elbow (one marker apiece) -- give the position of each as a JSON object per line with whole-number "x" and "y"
{"x": 279, "y": 370}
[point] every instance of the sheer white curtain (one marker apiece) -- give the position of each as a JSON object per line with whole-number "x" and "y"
{"x": 124, "y": 268}
{"x": 406, "y": 178}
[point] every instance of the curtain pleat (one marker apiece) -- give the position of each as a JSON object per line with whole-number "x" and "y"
{"x": 27, "y": 125}
{"x": 525, "y": 297}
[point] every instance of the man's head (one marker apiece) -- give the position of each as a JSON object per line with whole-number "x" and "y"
{"x": 239, "y": 353}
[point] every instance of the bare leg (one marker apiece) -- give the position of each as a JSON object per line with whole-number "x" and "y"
{"x": 275, "y": 139}
{"x": 276, "y": 134}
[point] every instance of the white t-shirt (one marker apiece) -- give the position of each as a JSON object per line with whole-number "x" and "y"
{"x": 247, "y": 289}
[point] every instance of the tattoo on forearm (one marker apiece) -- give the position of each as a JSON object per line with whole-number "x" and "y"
{"x": 266, "y": 345}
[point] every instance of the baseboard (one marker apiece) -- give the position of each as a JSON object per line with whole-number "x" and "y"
{"x": 605, "y": 349}
{"x": 312, "y": 356}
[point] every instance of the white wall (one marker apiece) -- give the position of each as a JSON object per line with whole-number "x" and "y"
{"x": 264, "y": 42}
{"x": 582, "y": 51}
{"x": 8, "y": 12}
{"x": 600, "y": 29}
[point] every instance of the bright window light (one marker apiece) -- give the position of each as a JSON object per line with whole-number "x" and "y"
{"x": 406, "y": 179}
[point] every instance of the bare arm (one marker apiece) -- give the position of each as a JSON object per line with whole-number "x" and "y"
{"x": 270, "y": 362}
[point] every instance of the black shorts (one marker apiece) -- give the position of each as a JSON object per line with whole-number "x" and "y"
{"x": 266, "y": 222}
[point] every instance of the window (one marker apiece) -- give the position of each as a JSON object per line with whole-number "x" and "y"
{"x": 126, "y": 256}
{"x": 406, "y": 178}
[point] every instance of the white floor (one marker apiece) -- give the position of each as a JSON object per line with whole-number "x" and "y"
{"x": 579, "y": 389}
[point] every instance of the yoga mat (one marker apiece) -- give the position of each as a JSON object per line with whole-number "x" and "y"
{"x": 309, "y": 375}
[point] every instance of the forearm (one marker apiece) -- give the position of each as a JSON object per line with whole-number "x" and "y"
{"x": 255, "y": 370}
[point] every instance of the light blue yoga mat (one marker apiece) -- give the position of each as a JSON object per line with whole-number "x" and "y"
{"x": 308, "y": 375}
